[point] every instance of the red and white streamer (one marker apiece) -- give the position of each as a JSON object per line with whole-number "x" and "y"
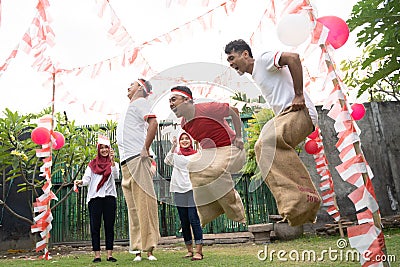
{"x": 326, "y": 185}
{"x": 364, "y": 238}
{"x": 354, "y": 168}
{"x": 117, "y": 31}
{"x": 43, "y": 219}
{"x": 40, "y": 36}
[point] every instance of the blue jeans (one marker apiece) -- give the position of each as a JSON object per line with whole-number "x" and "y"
{"x": 189, "y": 218}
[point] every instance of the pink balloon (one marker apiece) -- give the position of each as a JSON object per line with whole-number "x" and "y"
{"x": 358, "y": 111}
{"x": 40, "y": 135}
{"x": 311, "y": 147}
{"x": 338, "y": 30}
{"x": 60, "y": 140}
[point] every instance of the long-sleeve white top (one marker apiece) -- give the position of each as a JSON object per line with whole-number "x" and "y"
{"x": 91, "y": 180}
{"x": 180, "y": 179}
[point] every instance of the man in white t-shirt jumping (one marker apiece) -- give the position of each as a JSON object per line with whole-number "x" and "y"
{"x": 279, "y": 75}
{"x": 136, "y": 130}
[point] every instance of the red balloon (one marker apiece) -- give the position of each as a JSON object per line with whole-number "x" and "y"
{"x": 338, "y": 30}
{"x": 59, "y": 140}
{"x": 40, "y": 135}
{"x": 311, "y": 147}
{"x": 314, "y": 134}
{"x": 358, "y": 111}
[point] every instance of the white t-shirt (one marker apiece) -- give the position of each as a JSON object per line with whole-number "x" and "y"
{"x": 132, "y": 128}
{"x": 91, "y": 180}
{"x": 276, "y": 84}
{"x": 180, "y": 179}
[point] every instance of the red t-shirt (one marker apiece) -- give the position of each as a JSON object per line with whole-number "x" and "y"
{"x": 209, "y": 126}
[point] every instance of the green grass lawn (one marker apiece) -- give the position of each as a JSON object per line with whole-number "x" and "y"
{"x": 229, "y": 255}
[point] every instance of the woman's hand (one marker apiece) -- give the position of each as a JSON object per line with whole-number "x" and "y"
{"x": 174, "y": 141}
{"x": 78, "y": 182}
{"x": 174, "y": 144}
{"x": 112, "y": 154}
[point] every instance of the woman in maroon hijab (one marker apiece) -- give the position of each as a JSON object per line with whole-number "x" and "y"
{"x": 183, "y": 194}
{"x": 100, "y": 178}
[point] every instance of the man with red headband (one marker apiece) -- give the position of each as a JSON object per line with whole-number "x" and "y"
{"x": 136, "y": 130}
{"x": 221, "y": 154}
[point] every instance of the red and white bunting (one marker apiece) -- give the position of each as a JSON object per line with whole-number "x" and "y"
{"x": 355, "y": 165}
{"x": 117, "y": 31}
{"x": 364, "y": 238}
{"x": 364, "y": 216}
{"x": 229, "y": 6}
{"x": 319, "y": 34}
{"x": 347, "y": 137}
{"x": 41, "y": 207}
{"x": 269, "y": 13}
{"x": 40, "y": 36}
{"x": 13, "y": 54}
{"x": 326, "y": 185}
{"x": 294, "y": 6}
{"x": 171, "y": 3}
{"x": 354, "y": 168}
{"x": 362, "y": 198}
{"x": 42, "y": 204}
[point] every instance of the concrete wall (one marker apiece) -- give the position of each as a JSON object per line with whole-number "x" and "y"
{"x": 380, "y": 142}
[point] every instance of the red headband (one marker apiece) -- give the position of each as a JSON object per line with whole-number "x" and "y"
{"x": 144, "y": 85}
{"x": 182, "y": 93}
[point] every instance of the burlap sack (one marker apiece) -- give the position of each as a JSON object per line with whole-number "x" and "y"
{"x": 141, "y": 200}
{"x": 285, "y": 174}
{"x": 213, "y": 187}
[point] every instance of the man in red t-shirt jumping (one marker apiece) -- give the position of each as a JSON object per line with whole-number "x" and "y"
{"x": 221, "y": 153}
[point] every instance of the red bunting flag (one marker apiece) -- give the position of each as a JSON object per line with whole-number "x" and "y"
{"x": 362, "y": 198}
{"x": 364, "y": 238}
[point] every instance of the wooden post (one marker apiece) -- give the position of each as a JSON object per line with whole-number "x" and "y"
{"x": 340, "y": 220}
{"x": 51, "y": 152}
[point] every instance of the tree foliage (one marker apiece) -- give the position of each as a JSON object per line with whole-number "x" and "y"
{"x": 253, "y": 132}
{"x": 377, "y": 70}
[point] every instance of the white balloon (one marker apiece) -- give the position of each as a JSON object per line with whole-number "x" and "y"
{"x": 294, "y": 29}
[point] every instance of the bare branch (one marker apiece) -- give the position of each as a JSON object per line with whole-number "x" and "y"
{"x": 14, "y": 213}
{"x": 62, "y": 200}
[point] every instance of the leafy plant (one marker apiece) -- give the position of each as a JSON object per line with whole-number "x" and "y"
{"x": 377, "y": 70}
{"x": 258, "y": 120}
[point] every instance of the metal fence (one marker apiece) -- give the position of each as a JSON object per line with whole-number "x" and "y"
{"x": 71, "y": 218}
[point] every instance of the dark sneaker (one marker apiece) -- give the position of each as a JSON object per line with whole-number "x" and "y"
{"x": 112, "y": 259}
{"x": 97, "y": 260}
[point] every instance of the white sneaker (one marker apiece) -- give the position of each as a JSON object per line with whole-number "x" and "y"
{"x": 152, "y": 258}
{"x": 137, "y": 258}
